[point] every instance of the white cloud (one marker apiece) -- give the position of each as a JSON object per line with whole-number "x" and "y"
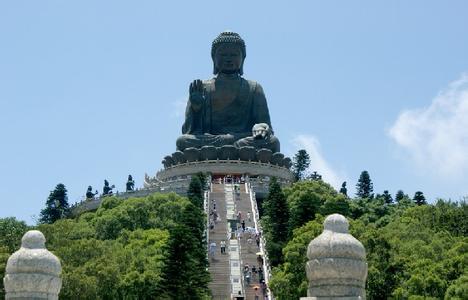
{"x": 317, "y": 161}
{"x": 436, "y": 137}
{"x": 178, "y": 107}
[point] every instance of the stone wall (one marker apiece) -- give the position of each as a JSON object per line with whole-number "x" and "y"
{"x": 179, "y": 187}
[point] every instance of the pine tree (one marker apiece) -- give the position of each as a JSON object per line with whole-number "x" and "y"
{"x": 186, "y": 273}
{"x": 277, "y": 210}
{"x": 387, "y": 197}
{"x": 399, "y": 196}
{"x": 315, "y": 176}
{"x": 419, "y": 198}
{"x": 277, "y": 220}
{"x": 56, "y": 205}
{"x": 203, "y": 179}
{"x": 300, "y": 164}
{"x": 364, "y": 186}
{"x": 195, "y": 192}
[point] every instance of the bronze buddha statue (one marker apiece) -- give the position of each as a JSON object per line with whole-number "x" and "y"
{"x": 227, "y": 109}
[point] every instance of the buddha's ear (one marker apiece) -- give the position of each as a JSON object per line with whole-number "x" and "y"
{"x": 241, "y": 69}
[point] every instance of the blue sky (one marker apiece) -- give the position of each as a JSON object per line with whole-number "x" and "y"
{"x": 94, "y": 90}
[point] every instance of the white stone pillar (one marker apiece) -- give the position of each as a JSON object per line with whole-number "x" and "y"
{"x": 32, "y": 272}
{"x": 337, "y": 267}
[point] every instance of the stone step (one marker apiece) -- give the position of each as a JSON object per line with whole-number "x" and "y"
{"x": 219, "y": 264}
{"x": 248, "y": 252}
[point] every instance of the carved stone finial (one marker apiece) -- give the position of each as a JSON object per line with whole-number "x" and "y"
{"x": 32, "y": 272}
{"x": 337, "y": 267}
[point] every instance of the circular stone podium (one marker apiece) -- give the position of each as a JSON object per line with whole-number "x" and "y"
{"x": 225, "y": 167}
{"x": 176, "y": 178}
{"x": 221, "y": 161}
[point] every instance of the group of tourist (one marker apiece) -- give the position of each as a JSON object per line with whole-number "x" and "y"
{"x": 213, "y": 246}
{"x": 246, "y": 233}
{"x": 254, "y": 273}
{"x": 235, "y": 179}
{"x": 214, "y": 216}
{"x": 249, "y": 234}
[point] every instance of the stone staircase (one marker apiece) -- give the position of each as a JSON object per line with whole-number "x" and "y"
{"x": 219, "y": 263}
{"x": 220, "y": 285}
{"x": 248, "y": 250}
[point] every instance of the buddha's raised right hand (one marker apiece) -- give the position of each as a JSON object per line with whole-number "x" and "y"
{"x": 197, "y": 94}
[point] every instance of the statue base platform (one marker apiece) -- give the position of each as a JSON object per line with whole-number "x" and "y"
{"x": 226, "y": 167}
{"x": 258, "y": 174}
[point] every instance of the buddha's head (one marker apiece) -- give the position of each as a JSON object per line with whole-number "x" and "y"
{"x": 228, "y": 53}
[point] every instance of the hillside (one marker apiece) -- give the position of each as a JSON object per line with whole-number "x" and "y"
{"x": 413, "y": 251}
{"x": 153, "y": 247}
{"x": 140, "y": 248}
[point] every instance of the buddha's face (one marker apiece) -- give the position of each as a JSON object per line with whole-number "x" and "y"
{"x": 228, "y": 59}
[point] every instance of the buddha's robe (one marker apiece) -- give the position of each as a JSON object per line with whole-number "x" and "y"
{"x": 227, "y": 118}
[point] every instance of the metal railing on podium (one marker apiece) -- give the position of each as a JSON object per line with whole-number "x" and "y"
{"x": 258, "y": 227}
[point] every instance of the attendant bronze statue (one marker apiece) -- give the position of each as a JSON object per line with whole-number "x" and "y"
{"x": 89, "y": 193}
{"x": 107, "y": 190}
{"x": 130, "y": 185}
{"x": 343, "y": 189}
{"x": 228, "y": 109}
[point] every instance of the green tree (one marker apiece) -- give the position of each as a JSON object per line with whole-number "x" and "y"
{"x": 56, "y": 205}
{"x": 195, "y": 191}
{"x": 458, "y": 290}
{"x": 335, "y": 205}
{"x": 186, "y": 275}
{"x": 289, "y": 279}
{"x": 404, "y": 202}
{"x": 144, "y": 277}
{"x": 390, "y": 235}
{"x": 203, "y": 179}
{"x": 419, "y": 198}
{"x": 364, "y": 187}
{"x": 371, "y": 211}
{"x": 276, "y": 221}
{"x": 307, "y": 198}
{"x": 315, "y": 176}
{"x": 387, "y": 197}
{"x": 381, "y": 278}
{"x": 399, "y": 196}
{"x": 449, "y": 216}
{"x": 11, "y": 232}
{"x": 4, "y": 254}
{"x": 301, "y": 162}
{"x": 129, "y": 250}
